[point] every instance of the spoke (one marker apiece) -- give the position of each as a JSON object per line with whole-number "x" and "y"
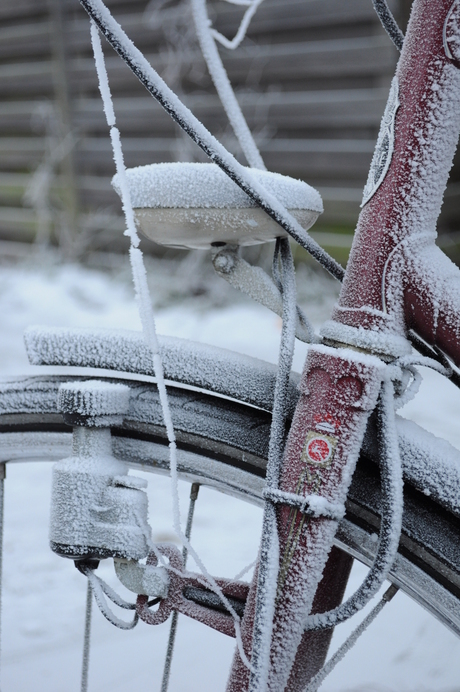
{"x": 87, "y": 638}
{"x": 2, "y": 491}
{"x": 317, "y": 680}
{"x": 173, "y": 629}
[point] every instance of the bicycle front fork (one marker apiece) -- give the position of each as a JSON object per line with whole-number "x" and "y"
{"x": 338, "y": 392}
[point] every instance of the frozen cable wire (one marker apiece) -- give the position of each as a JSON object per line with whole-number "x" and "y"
{"x": 242, "y": 29}
{"x": 391, "y": 520}
{"x": 113, "y": 596}
{"x": 137, "y": 62}
{"x": 389, "y": 22}
{"x": 136, "y": 258}
{"x": 407, "y": 364}
{"x": 411, "y": 390}
{"x": 98, "y": 592}
{"x": 436, "y": 354}
{"x": 269, "y": 550}
{"x": 319, "y": 678}
{"x": 108, "y": 591}
{"x": 303, "y": 319}
{"x": 407, "y": 361}
{"x": 221, "y": 81}
{"x": 147, "y": 318}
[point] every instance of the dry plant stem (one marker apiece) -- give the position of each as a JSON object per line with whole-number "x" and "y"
{"x": 136, "y": 61}
{"x": 223, "y": 86}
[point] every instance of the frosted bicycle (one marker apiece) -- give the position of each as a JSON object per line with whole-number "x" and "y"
{"x": 337, "y": 477}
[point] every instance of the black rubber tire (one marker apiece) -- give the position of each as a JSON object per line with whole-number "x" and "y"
{"x": 223, "y": 443}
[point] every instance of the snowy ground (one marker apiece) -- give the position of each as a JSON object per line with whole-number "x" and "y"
{"x": 406, "y": 650}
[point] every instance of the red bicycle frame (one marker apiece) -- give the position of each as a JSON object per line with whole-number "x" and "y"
{"x": 396, "y": 280}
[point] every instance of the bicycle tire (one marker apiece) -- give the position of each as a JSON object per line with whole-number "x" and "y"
{"x": 223, "y": 443}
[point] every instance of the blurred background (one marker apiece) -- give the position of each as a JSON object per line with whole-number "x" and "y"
{"x": 312, "y": 78}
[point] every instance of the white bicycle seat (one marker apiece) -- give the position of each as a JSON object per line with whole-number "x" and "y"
{"x": 195, "y": 205}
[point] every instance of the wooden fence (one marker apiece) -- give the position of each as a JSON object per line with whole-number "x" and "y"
{"x": 312, "y": 78}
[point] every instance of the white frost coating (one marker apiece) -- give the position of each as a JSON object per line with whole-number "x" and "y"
{"x": 434, "y": 463}
{"x": 219, "y": 76}
{"x": 438, "y": 282}
{"x": 104, "y": 87}
{"x": 384, "y": 148}
{"x": 267, "y": 581}
{"x": 437, "y": 135}
{"x": 138, "y": 268}
{"x": 427, "y": 165}
{"x": 390, "y": 530}
{"x": 243, "y": 27}
{"x": 244, "y": 571}
{"x": 114, "y": 133}
{"x": 358, "y": 358}
{"x": 266, "y": 600}
{"x": 318, "y": 679}
{"x": 411, "y": 390}
{"x": 255, "y": 282}
{"x": 149, "y": 331}
{"x": 304, "y": 582}
{"x": 429, "y": 462}
{"x": 209, "y": 143}
{"x": 99, "y": 597}
{"x": 204, "y": 185}
{"x": 94, "y": 398}
{"x": 315, "y": 505}
{"x": 137, "y": 263}
{"x": 407, "y": 364}
{"x": 200, "y": 365}
{"x": 143, "y": 579}
{"x": 375, "y": 341}
{"x": 92, "y": 453}
{"x": 95, "y": 505}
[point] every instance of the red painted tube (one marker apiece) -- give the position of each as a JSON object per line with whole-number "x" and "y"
{"x": 396, "y": 278}
{"x": 337, "y": 395}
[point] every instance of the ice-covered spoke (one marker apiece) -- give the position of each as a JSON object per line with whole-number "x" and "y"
{"x": 349, "y": 643}
{"x": 87, "y": 638}
{"x": 169, "y": 651}
{"x": 173, "y": 627}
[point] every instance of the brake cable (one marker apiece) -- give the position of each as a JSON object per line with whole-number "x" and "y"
{"x": 389, "y": 23}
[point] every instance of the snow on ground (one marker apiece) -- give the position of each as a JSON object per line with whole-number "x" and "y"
{"x": 406, "y": 650}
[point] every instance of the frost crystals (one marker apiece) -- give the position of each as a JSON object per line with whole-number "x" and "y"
{"x": 384, "y": 147}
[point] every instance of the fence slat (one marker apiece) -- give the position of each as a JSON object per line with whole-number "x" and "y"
{"x": 311, "y": 78}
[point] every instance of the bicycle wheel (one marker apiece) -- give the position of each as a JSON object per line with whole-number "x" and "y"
{"x": 222, "y": 444}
